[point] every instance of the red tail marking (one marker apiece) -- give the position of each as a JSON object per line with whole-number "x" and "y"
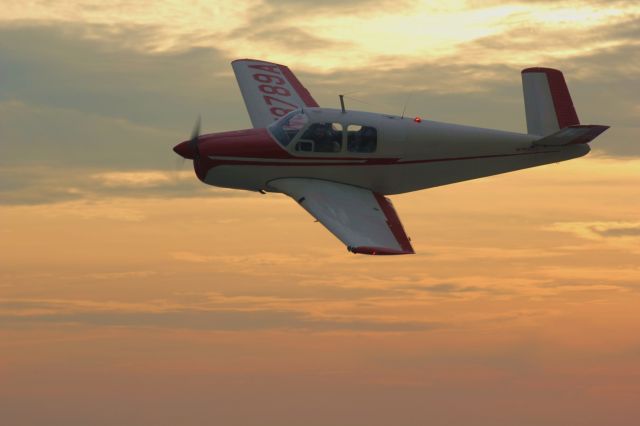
{"x": 298, "y": 87}
{"x": 565, "y": 111}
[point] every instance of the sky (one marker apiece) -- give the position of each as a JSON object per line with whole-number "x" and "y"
{"x": 132, "y": 294}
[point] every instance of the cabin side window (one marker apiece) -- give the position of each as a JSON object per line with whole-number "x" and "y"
{"x": 361, "y": 138}
{"x": 321, "y": 137}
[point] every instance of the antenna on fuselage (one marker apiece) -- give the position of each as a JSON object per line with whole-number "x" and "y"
{"x": 342, "y": 103}
{"x": 406, "y": 101}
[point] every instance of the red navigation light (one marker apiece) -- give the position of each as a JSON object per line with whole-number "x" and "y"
{"x": 417, "y": 119}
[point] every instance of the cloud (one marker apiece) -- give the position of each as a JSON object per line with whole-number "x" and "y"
{"x": 171, "y": 26}
{"x": 42, "y": 184}
{"x": 619, "y": 275}
{"x": 84, "y": 97}
{"x": 512, "y": 45}
{"x": 622, "y": 231}
{"x": 445, "y": 288}
{"x": 292, "y": 39}
{"x": 416, "y": 31}
{"x": 130, "y": 107}
{"x": 599, "y": 230}
{"x": 97, "y": 209}
{"x": 255, "y": 260}
{"x": 103, "y": 104}
{"x": 145, "y": 179}
{"x": 26, "y": 312}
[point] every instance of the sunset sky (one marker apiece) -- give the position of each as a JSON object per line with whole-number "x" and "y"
{"x": 132, "y": 294}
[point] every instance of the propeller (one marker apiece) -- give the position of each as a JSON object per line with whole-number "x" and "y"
{"x": 190, "y": 149}
{"x": 195, "y": 134}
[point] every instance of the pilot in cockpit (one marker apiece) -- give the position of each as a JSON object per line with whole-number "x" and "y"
{"x": 324, "y": 138}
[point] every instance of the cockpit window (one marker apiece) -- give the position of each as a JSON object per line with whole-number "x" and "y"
{"x": 321, "y": 137}
{"x": 361, "y": 138}
{"x": 286, "y": 129}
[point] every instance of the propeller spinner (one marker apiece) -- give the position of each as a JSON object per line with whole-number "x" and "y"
{"x": 190, "y": 149}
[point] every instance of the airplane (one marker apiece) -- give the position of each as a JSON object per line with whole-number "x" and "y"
{"x": 340, "y": 164}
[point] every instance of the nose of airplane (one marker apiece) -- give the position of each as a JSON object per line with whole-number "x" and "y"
{"x": 185, "y": 149}
{"x": 189, "y": 149}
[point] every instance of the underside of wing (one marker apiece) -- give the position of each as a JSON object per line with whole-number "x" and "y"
{"x": 364, "y": 221}
{"x": 270, "y": 90}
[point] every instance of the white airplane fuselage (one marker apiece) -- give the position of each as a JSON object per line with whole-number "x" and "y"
{"x": 411, "y": 154}
{"x": 338, "y": 165}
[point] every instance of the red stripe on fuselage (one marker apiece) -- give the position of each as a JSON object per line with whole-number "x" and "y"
{"x": 253, "y": 143}
{"x": 254, "y": 147}
{"x": 299, "y": 161}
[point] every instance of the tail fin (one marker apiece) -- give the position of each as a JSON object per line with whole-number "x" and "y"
{"x": 547, "y": 101}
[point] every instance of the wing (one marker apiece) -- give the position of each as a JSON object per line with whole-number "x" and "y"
{"x": 363, "y": 220}
{"x": 269, "y": 90}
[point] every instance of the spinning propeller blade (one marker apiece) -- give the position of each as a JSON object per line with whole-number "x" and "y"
{"x": 195, "y": 134}
{"x": 190, "y": 149}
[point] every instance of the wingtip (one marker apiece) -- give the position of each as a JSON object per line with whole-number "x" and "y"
{"x": 378, "y": 251}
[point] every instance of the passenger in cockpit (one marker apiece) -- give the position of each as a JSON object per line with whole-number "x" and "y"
{"x": 368, "y": 143}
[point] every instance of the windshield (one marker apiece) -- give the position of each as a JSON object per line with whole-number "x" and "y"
{"x": 286, "y": 129}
